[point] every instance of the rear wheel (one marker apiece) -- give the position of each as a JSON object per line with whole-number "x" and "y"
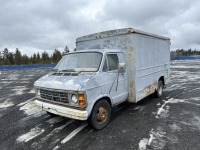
{"x": 100, "y": 116}
{"x": 159, "y": 91}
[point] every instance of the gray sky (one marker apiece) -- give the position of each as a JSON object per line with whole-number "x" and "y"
{"x": 35, "y": 26}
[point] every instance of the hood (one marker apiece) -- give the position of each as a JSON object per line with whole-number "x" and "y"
{"x": 81, "y": 82}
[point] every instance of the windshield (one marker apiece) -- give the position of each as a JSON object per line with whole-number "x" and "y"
{"x": 87, "y": 61}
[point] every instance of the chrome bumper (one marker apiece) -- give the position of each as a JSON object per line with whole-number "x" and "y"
{"x": 62, "y": 111}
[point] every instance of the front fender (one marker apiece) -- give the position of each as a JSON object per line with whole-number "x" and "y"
{"x": 92, "y": 102}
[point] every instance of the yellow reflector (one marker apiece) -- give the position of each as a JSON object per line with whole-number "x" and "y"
{"x": 81, "y": 99}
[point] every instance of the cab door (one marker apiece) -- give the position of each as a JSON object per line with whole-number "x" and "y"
{"x": 113, "y": 83}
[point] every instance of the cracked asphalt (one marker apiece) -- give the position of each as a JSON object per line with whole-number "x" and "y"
{"x": 171, "y": 122}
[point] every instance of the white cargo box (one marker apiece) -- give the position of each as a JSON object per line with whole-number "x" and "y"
{"x": 147, "y": 57}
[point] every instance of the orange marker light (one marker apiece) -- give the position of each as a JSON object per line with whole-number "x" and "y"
{"x": 81, "y": 99}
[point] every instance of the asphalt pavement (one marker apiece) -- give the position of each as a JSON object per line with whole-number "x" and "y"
{"x": 171, "y": 122}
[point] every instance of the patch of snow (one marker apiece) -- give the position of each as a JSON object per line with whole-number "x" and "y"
{"x": 56, "y": 130}
{"x": 174, "y": 127}
{"x": 72, "y": 134}
{"x": 196, "y": 122}
{"x": 23, "y": 103}
{"x": 150, "y": 139}
{"x": 19, "y": 90}
{"x": 161, "y": 111}
{"x": 164, "y": 109}
{"x": 34, "y": 132}
{"x": 30, "y": 108}
{"x": 6, "y": 104}
{"x": 63, "y": 126}
{"x": 57, "y": 147}
{"x": 157, "y": 138}
{"x": 143, "y": 144}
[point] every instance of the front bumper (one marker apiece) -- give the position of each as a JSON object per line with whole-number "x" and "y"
{"x": 62, "y": 111}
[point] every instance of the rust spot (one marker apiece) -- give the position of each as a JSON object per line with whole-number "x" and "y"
{"x": 131, "y": 84}
{"x": 130, "y": 30}
{"x": 151, "y": 88}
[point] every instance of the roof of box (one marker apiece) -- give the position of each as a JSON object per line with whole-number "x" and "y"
{"x": 117, "y": 32}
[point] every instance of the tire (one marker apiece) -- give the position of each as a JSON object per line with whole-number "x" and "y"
{"x": 159, "y": 91}
{"x": 100, "y": 115}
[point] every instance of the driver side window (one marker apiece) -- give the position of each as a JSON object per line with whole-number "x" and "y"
{"x": 111, "y": 62}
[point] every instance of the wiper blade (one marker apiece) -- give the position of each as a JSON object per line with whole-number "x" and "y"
{"x": 54, "y": 70}
{"x": 68, "y": 70}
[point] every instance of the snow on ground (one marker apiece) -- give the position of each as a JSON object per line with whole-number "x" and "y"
{"x": 72, "y": 134}
{"x": 6, "y": 104}
{"x": 30, "y": 108}
{"x": 156, "y": 139}
{"x": 143, "y": 143}
{"x": 179, "y": 80}
{"x": 34, "y": 132}
{"x": 57, "y": 147}
{"x": 19, "y": 90}
{"x": 56, "y": 130}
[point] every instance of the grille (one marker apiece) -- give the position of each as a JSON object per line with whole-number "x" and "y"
{"x": 54, "y": 96}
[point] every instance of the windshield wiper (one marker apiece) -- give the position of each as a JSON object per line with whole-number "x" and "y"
{"x": 68, "y": 70}
{"x": 54, "y": 70}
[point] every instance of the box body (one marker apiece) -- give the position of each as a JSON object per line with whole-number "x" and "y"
{"x": 147, "y": 57}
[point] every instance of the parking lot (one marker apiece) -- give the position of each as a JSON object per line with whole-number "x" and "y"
{"x": 171, "y": 122}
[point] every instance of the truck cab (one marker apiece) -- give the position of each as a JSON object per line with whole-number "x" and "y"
{"x": 84, "y": 85}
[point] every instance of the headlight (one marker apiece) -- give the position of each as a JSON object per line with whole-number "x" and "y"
{"x": 74, "y": 98}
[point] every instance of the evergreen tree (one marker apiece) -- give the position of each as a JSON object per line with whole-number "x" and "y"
{"x": 31, "y": 60}
{"x": 18, "y": 57}
{"x": 5, "y": 57}
{"x": 38, "y": 58}
{"x": 45, "y": 57}
{"x": 5, "y": 53}
{"x": 56, "y": 56}
{"x": 25, "y": 59}
{"x": 11, "y": 58}
{"x": 34, "y": 58}
{"x": 66, "y": 50}
{"x": 1, "y": 59}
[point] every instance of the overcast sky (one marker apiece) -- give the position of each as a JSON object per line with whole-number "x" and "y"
{"x": 38, "y": 25}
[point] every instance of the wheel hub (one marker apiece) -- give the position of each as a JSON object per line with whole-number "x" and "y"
{"x": 101, "y": 115}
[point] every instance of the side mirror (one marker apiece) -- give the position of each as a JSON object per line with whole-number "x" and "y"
{"x": 121, "y": 67}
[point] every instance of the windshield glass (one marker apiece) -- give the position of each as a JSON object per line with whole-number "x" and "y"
{"x": 87, "y": 61}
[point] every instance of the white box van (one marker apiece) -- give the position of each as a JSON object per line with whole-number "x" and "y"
{"x": 106, "y": 69}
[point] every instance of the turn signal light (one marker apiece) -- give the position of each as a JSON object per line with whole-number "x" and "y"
{"x": 82, "y": 100}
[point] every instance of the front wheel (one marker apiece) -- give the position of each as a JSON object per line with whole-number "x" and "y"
{"x": 100, "y": 115}
{"x": 159, "y": 91}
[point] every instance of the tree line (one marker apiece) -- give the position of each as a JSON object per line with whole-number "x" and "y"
{"x": 17, "y": 58}
{"x": 182, "y": 52}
